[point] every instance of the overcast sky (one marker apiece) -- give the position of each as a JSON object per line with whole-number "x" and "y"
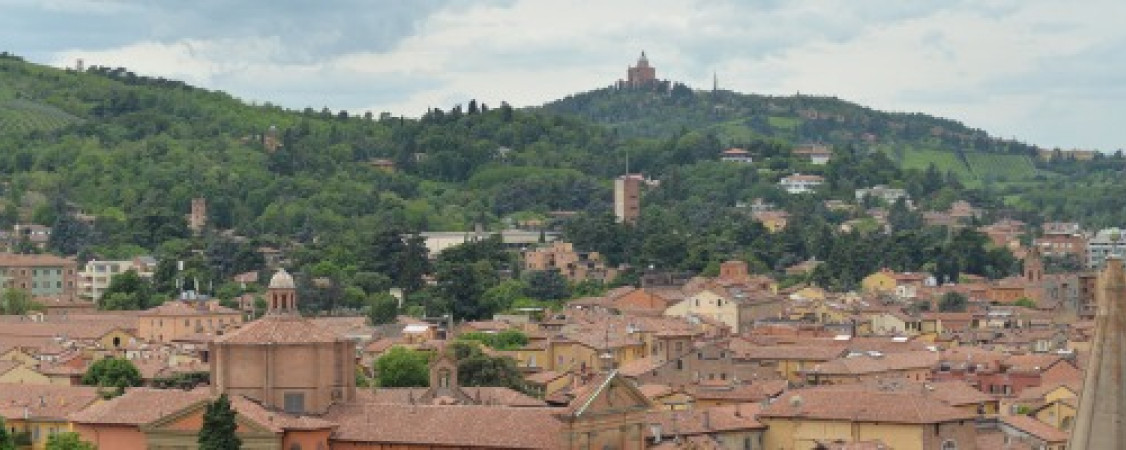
{"x": 1047, "y": 72}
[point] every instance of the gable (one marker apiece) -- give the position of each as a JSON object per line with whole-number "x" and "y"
{"x": 22, "y": 374}
{"x": 641, "y": 298}
{"x": 16, "y": 354}
{"x": 190, "y": 419}
{"x": 1059, "y": 393}
{"x": 614, "y": 396}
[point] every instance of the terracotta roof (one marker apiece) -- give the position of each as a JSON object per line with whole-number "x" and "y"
{"x": 35, "y": 260}
{"x": 864, "y": 405}
{"x": 1036, "y": 428}
{"x": 867, "y": 364}
{"x": 183, "y": 308}
{"x": 139, "y": 406}
{"x": 744, "y": 393}
{"x": 640, "y": 366}
{"x": 44, "y": 401}
{"x": 1034, "y": 362}
{"x": 279, "y": 329}
{"x": 461, "y": 425}
{"x": 727, "y": 419}
{"x": 655, "y": 390}
{"x": 997, "y": 440}
{"x": 75, "y": 330}
{"x": 544, "y": 377}
{"x": 788, "y": 352}
{"x": 276, "y": 421}
{"x": 501, "y": 396}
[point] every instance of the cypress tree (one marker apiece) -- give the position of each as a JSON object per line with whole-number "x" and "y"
{"x": 218, "y": 431}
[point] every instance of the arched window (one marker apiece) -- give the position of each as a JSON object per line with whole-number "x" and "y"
{"x": 949, "y": 445}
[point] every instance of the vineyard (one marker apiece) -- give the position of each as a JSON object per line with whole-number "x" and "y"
{"x": 920, "y": 159}
{"x": 23, "y": 116}
{"x": 1001, "y": 167}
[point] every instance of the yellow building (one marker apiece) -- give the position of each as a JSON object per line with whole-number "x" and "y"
{"x": 176, "y": 319}
{"x": 804, "y": 418}
{"x": 14, "y": 372}
{"x": 710, "y": 304}
{"x": 19, "y": 355}
{"x": 41, "y": 410}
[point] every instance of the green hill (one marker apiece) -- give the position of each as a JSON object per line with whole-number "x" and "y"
{"x": 912, "y": 140}
{"x": 21, "y": 116}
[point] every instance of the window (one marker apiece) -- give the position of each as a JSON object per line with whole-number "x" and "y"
{"x": 949, "y": 445}
{"x": 294, "y": 402}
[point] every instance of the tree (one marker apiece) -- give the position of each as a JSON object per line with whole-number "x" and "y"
{"x": 218, "y": 430}
{"x": 7, "y": 442}
{"x": 475, "y": 368}
{"x": 1025, "y": 302}
{"x": 402, "y": 367}
{"x": 127, "y": 291}
{"x": 17, "y": 302}
{"x": 546, "y": 285}
{"x": 382, "y": 308}
{"x": 952, "y": 302}
{"x": 116, "y": 373}
{"x": 67, "y": 441}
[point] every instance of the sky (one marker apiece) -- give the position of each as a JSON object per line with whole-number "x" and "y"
{"x": 1045, "y": 72}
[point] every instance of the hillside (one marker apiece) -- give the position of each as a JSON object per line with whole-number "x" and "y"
{"x": 914, "y": 141}
{"x": 337, "y": 191}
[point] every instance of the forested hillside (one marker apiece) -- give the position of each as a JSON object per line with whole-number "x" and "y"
{"x": 913, "y": 141}
{"x": 132, "y": 152}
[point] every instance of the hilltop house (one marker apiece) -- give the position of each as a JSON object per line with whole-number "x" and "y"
{"x": 800, "y": 184}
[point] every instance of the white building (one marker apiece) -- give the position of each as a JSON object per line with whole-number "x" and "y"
{"x": 736, "y": 155}
{"x": 887, "y": 194}
{"x": 800, "y": 184}
{"x": 817, "y": 153}
{"x": 95, "y": 277}
{"x": 1107, "y": 242}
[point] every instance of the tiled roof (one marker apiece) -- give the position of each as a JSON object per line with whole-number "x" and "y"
{"x": 867, "y": 364}
{"x": 746, "y": 393}
{"x": 501, "y": 396}
{"x": 1036, "y": 428}
{"x": 276, "y": 421}
{"x": 448, "y": 426}
{"x": 182, "y": 308}
{"x": 726, "y": 419}
{"x": 44, "y": 401}
{"x": 997, "y": 440}
{"x": 279, "y": 329}
{"x": 139, "y": 406}
{"x": 39, "y": 260}
{"x": 865, "y": 406}
{"x": 74, "y": 330}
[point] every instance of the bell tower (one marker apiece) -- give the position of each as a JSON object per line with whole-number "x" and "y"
{"x": 281, "y": 296}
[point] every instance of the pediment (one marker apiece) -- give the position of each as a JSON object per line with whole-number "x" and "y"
{"x": 190, "y": 419}
{"x": 614, "y": 395}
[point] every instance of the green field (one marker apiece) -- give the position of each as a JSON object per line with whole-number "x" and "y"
{"x": 22, "y": 116}
{"x": 784, "y": 123}
{"x": 978, "y": 167}
{"x": 1000, "y": 166}
{"x": 920, "y": 159}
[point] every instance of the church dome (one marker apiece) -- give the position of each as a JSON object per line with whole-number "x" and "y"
{"x": 282, "y": 280}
